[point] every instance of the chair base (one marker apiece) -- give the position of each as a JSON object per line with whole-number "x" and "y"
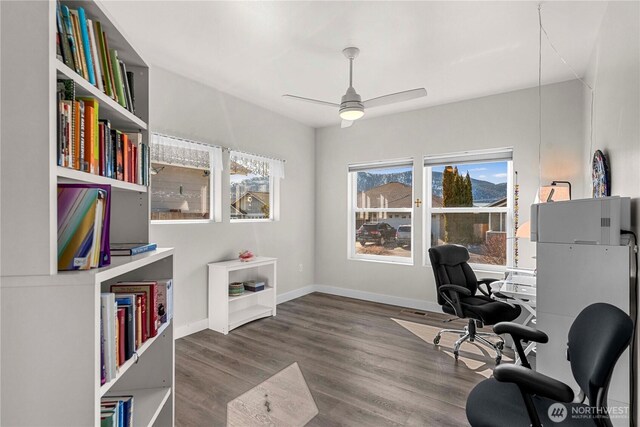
{"x": 470, "y": 333}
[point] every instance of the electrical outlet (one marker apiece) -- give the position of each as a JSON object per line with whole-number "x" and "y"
{"x": 300, "y": 268}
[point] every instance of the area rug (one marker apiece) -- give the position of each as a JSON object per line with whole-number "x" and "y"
{"x": 477, "y": 358}
{"x": 282, "y": 400}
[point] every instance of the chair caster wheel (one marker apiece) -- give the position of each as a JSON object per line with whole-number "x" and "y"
{"x": 455, "y": 354}
{"x": 498, "y": 360}
{"x": 436, "y": 340}
{"x": 500, "y": 345}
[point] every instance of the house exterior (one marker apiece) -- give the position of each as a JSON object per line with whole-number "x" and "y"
{"x": 389, "y": 196}
{"x": 251, "y": 204}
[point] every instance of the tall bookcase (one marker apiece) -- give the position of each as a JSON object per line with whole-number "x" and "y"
{"x": 50, "y": 321}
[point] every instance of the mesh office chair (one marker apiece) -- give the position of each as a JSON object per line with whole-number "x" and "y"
{"x": 517, "y": 396}
{"x": 457, "y": 286}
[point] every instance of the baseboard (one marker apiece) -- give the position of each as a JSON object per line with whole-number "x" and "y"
{"x": 200, "y": 325}
{"x": 381, "y": 298}
{"x": 191, "y": 328}
{"x": 296, "y": 293}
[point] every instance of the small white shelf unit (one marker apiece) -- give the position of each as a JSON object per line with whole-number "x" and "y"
{"x": 228, "y": 312}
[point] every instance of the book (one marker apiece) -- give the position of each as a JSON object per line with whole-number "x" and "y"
{"x": 254, "y": 286}
{"x": 115, "y": 67}
{"x": 107, "y": 314}
{"x": 94, "y": 55}
{"x": 80, "y": 124}
{"x": 126, "y": 404}
{"x": 126, "y": 156}
{"x": 150, "y": 289}
{"x": 121, "y": 335}
{"x": 97, "y": 229}
{"x": 104, "y": 65}
{"x": 141, "y": 315}
{"x": 77, "y": 35}
{"x": 86, "y": 46}
{"x": 92, "y": 138}
{"x": 67, "y": 56}
{"x": 130, "y": 79}
{"x": 119, "y": 154}
{"x": 114, "y": 94}
{"x": 103, "y": 366}
{"x": 68, "y": 28}
{"x": 76, "y": 224}
{"x": 108, "y": 149}
{"x": 165, "y": 300}
{"x": 128, "y": 302}
{"x": 130, "y": 249}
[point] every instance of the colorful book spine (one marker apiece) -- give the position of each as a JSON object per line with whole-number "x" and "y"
{"x": 68, "y": 27}
{"x": 150, "y": 289}
{"x": 86, "y": 46}
{"x": 115, "y": 67}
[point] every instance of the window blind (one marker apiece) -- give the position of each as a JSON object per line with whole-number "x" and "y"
{"x": 358, "y": 167}
{"x": 501, "y": 154}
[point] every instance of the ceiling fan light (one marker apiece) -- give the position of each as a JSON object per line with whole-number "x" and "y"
{"x": 351, "y": 113}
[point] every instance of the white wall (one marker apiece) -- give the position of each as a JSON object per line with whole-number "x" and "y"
{"x": 185, "y": 108}
{"x": 505, "y": 120}
{"x": 614, "y": 73}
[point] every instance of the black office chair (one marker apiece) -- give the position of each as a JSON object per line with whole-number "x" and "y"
{"x": 517, "y": 396}
{"x": 457, "y": 286}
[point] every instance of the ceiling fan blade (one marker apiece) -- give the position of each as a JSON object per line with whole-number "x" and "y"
{"x": 395, "y": 97}
{"x": 346, "y": 124}
{"x": 315, "y": 101}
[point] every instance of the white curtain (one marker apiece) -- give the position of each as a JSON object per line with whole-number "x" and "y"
{"x": 181, "y": 152}
{"x": 258, "y": 165}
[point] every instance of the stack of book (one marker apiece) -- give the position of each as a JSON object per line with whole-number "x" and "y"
{"x": 84, "y": 212}
{"x": 254, "y": 286}
{"x": 84, "y": 47}
{"x": 130, "y": 314}
{"x": 116, "y": 411}
{"x": 89, "y": 144}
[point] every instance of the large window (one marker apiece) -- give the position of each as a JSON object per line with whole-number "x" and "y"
{"x": 254, "y": 185}
{"x": 381, "y": 211}
{"x": 183, "y": 178}
{"x": 469, "y": 202}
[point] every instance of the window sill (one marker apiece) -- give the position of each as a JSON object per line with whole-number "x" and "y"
{"x": 382, "y": 261}
{"x": 242, "y": 221}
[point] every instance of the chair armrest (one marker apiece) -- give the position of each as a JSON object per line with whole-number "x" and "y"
{"x": 532, "y": 382}
{"x": 487, "y": 283}
{"x": 520, "y": 332}
{"x": 451, "y": 294}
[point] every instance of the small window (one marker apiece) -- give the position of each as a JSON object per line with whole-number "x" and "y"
{"x": 470, "y": 203}
{"x": 254, "y": 185}
{"x": 381, "y": 204}
{"x": 183, "y": 177}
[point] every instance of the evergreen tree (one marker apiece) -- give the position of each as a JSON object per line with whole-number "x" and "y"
{"x": 457, "y": 191}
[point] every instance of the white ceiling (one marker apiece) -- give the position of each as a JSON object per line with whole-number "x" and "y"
{"x": 259, "y": 51}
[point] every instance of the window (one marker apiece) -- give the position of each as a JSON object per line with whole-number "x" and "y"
{"x": 381, "y": 211}
{"x": 254, "y": 185}
{"x": 469, "y": 200}
{"x": 183, "y": 178}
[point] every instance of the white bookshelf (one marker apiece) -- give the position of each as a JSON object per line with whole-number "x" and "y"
{"x": 228, "y": 312}
{"x": 50, "y": 321}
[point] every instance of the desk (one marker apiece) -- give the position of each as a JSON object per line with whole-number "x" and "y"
{"x": 525, "y": 297}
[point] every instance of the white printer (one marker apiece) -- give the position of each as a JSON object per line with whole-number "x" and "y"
{"x": 582, "y": 221}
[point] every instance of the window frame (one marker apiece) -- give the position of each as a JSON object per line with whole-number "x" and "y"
{"x": 215, "y": 184}
{"x": 274, "y": 197}
{"x": 353, "y": 210}
{"x": 484, "y": 156}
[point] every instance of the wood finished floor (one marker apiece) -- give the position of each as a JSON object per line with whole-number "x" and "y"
{"x": 362, "y": 368}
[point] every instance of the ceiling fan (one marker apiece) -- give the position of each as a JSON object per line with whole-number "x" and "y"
{"x": 352, "y": 107}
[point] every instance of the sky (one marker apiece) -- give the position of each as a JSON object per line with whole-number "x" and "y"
{"x": 495, "y": 172}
